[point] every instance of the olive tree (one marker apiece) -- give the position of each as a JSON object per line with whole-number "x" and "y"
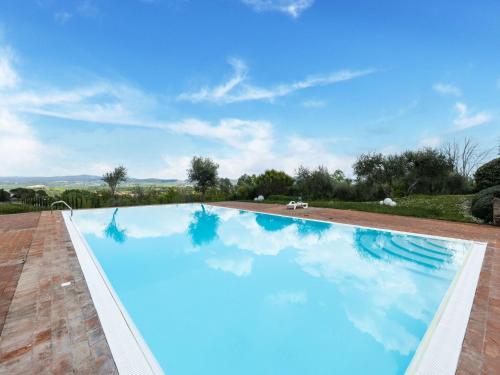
{"x": 203, "y": 173}
{"x": 115, "y": 177}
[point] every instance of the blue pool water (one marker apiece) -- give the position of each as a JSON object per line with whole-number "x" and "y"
{"x": 219, "y": 291}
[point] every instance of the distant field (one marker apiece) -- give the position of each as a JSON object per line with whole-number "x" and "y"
{"x": 60, "y": 183}
{"x": 443, "y": 207}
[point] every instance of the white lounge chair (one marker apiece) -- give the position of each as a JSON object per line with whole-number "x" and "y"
{"x": 294, "y": 205}
{"x": 301, "y": 204}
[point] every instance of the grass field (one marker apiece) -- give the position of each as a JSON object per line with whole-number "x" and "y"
{"x": 443, "y": 207}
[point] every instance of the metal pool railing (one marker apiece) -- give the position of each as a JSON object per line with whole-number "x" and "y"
{"x": 61, "y": 202}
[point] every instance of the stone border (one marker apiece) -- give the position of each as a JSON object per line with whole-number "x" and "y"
{"x": 440, "y": 348}
{"x": 130, "y": 352}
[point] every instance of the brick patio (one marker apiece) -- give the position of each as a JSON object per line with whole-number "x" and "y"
{"x": 49, "y": 328}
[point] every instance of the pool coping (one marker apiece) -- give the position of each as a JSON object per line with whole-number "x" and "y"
{"x": 130, "y": 352}
{"x": 438, "y": 351}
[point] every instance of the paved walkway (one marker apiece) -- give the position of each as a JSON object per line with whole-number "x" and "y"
{"x": 16, "y": 234}
{"x": 481, "y": 347}
{"x": 48, "y": 328}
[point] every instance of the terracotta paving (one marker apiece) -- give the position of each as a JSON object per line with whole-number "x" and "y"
{"x": 53, "y": 329}
{"x": 48, "y": 328}
{"x": 481, "y": 347}
{"x": 16, "y": 234}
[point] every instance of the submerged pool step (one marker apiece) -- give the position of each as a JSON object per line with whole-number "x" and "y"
{"x": 410, "y": 265}
{"x": 388, "y": 249}
{"x": 430, "y": 246}
{"x": 420, "y": 250}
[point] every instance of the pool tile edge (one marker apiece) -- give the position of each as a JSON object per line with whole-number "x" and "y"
{"x": 130, "y": 352}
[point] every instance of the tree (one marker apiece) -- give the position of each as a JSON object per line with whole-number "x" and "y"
{"x": 115, "y": 177}
{"x": 465, "y": 157}
{"x": 245, "y": 186}
{"x": 377, "y": 169}
{"x": 225, "y": 186}
{"x": 273, "y": 182}
{"x": 203, "y": 173}
{"x": 315, "y": 184}
{"x": 4, "y": 195}
{"x": 427, "y": 171}
{"x": 338, "y": 176}
{"x": 487, "y": 175}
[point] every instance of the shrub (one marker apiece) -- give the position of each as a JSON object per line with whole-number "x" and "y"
{"x": 368, "y": 192}
{"x": 4, "y": 195}
{"x": 344, "y": 191}
{"x": 458, "y": 184}
{"x": 273, "y": 182}
{"x": 281, "y": 198}
{"x": 77, "y": 198}
{"x": 482, "y": 203}
{"x": 488, "y": 174}
{"x": 22, "y": 193}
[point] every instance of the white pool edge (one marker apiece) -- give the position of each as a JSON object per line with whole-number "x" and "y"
{"x": 130, "y": 352}
{"x": 439, "y": 350}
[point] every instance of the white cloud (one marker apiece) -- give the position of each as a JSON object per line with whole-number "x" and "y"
{"x": 62, "y": 16}
{"x": 293, "y": 8}
{"x": 8, "y": 76}
{"x": 251, "y": 147}
{"x": 237, "y": 90}
{"x": 20, "y": 150}
{"x": 102, "y": 102}
{"x": 447, "y": 89}
{"x": 466, "y": 120}
{"x": 239, "y": 266}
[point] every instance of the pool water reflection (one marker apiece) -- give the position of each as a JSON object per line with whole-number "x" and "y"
{"x": 222, "y": 291}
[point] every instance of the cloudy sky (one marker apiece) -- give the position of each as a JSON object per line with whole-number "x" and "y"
{"x": 86, "y": 85}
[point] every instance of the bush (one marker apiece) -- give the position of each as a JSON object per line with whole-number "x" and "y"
{"x": 273, "y": 182}
{"x": 23, "y": 193}
{"x": 458, "y": 184}
{"x": 77, "y": 198}
{"x": 4, "y": 195}
{"x": 344, "y": 191}
{"x": 488, "y": 174}
{"x": 281, "y": 198}
{"x": 368, "y": 192}
{"x": 482, "y": 203}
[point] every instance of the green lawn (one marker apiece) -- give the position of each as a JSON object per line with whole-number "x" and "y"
{"x": 14, "y": 208}
{"x": 444, "y": 207}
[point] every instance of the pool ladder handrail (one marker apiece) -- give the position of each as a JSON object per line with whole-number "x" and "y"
{"x": 61, "y": 202}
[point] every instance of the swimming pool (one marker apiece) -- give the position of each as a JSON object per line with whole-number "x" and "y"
{"x": 213, "y": 290}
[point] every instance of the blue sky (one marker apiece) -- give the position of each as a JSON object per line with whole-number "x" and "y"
{"x": 86, "y": 85}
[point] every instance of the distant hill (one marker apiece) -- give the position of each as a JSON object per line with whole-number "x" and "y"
{"x": 80, "y": 180}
